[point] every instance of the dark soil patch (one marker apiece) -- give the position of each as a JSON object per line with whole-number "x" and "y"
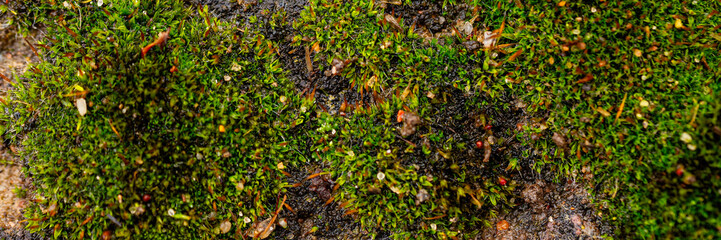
{"x": 550, "y": 211}
{"x": 241, "y": 10}
{"x": 311, "y": 211}
{"x": 20, "y": 234}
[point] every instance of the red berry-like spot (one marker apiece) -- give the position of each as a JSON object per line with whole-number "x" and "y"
{"x": 146, "y": 198}
{"x": 479, "y": 144}
{"x": 679, "y": 171}
{"x": 488, "y": 127}
{"x": 400, "y": 116}
{"x": 106, "y": 235}
{"x": 502, "y": 181}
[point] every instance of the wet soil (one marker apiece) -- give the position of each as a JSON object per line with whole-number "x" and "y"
{"x": 312, "y": 209}
{"x": 241, "y": 10}
{"x": 550, "y": 211}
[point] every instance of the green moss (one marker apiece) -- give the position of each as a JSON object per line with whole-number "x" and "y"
{"x": 620, "y": 81}
{"x": 650, "y": 76}
{"x": 584, "y": 69}
{"x": 367, "y": 143}
{"x": 203, "y": 141}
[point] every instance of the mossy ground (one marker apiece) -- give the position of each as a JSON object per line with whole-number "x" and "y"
{"x": 300, "y": 103}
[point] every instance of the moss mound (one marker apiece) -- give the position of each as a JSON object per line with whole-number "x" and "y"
{"x": 171, "y": 142}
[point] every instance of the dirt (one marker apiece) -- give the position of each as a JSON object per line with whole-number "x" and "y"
{"x": 241, "y": 10}
{"x": 10, "y": 204}
{"x": 550, "y": 211}
{"x": 15, "y": 54}
{"x": 311, "y": 208}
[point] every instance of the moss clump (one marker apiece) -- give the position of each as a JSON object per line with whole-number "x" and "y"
{"x": 425, "y": 182}
{"x": 173, "y": 143}
{"x": 607, "y": 89}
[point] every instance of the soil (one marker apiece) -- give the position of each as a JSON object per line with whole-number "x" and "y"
{"x": 15, "y": 54}
{"x": 550, "y": 211}
{"x": 310, "y": 210}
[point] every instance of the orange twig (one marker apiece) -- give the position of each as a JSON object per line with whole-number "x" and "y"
{"x": 515, "y": 55}
{"x": 349, "y": 212}
{"x": 436, "y": 217}
{"x": 288, "y": 207}
{"x": 113, "y": 127}
{"x": 587, "y": 78}
{"x": 315, "y": 175}
{"x": 620, "y": 109}
{"x": 330, "y": 200}
{"x": 162, "y": 37}
{"x": 5, "y": 78}
{"x": 32, "y": 48}
{"x": 87, "y": 220}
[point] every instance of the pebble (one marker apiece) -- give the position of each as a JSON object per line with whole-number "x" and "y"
{"x": 422, "y": 196}
{"x": 283, "y": 222}
{"x": 559, "y": 140}
{"x": 171, "y": 212}
{"x": 685, "y": 137}
{"x": 225, "y": 226}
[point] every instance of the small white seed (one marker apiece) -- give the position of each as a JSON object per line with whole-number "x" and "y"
{"x": 171, "y": 212}
{"x": 82, "y": 106}
{"x": 381, "y": 176}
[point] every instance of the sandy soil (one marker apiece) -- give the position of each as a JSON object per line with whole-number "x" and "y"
{"x": 15, "y": 54}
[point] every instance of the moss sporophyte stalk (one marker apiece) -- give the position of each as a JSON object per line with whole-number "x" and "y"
{"x": 367, "y": 119}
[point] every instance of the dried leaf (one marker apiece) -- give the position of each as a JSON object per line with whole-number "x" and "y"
{"x": 559, "y": 140}
{"x": 488, "y": 39}
{"x": 393, "y": 22}
{"x": 406, "y": 92}
{"x": 263, "y": 229}
{"x": 678, "y": 24}
{"x": 316, "y": 47}
{"x": 603, "y": 112}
